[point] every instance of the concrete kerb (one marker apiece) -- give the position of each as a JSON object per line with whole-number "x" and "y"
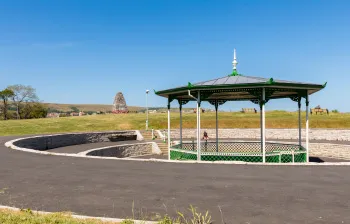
{"x": 139, "y": 135}
{"x": 103, "y": 219}
{"x": 10, "y": 144}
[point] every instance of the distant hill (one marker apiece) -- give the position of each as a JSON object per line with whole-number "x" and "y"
{"x": 86, "y": 107}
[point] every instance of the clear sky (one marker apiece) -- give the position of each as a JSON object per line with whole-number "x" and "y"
{"x": 83, "y": 51}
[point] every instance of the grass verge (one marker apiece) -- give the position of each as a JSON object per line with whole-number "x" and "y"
{"x": 29, "y": 217}
{"x": 274, "y": 119}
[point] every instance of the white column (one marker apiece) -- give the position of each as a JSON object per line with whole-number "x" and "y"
{"x": 169, "y": 130}
{"x": 199, "y": 127}
{"x": 307, "y": 127}
{"x": 262, "y": 120}
{"x": 299, "y": 113}
{"x": 217, "y": 132}
{"x": 180, "y": 123}
{"x": 197, "y": 131}
{"x": 146, "y": 110}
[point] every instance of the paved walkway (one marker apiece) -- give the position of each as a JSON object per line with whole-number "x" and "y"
{"x": 245, "y": 193}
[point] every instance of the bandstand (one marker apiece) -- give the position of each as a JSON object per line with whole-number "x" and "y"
{"x": 237, "y": 87}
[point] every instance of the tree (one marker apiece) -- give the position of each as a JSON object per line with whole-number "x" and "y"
{"x": 74, "y": 109}
{"x": 33, "y": 110}
{"x": 22, "y": 94}
{"x": 5, "y": 95}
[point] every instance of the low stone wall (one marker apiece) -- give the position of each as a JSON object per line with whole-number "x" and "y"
{"x": 123, "y": 151}
{"x": 337, "y": 151}
{"x": 237, "y": 133}
{"x": 43, "y": 143}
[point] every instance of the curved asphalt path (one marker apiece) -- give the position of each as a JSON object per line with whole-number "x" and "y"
{"x": 245, "y": 193}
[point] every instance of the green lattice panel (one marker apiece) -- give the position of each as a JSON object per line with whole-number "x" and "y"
{"x": 286, "y": 158}
{"x": 176, "y": 155}
{"x": 250, "y": 152}
{"x": 300, "y": 158}
{"x": 272, "y": 158}
{"x": 253, "y": 159}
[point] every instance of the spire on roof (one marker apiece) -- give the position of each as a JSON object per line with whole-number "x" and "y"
{"x": 234, "y": 63}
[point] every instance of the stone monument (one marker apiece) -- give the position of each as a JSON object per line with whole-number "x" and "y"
{"x": 119, "y": 104}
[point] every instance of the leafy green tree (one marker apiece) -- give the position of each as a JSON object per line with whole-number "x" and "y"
{"x": 22, "y": 94}
{"x": 33, "y": 110}
{"x": 74, "y": 109}
{"x": 5, "y": 95}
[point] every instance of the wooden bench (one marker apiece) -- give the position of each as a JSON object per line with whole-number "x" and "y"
{"x": 249, "y": 110}
{"x": 319, "y": 110}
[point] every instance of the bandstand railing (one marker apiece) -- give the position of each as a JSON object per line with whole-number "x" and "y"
{"x": 239, "y": 151}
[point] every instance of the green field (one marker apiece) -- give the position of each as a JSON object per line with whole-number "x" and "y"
{"x": 86, "y": 107}
{"x": 274, "y": 119}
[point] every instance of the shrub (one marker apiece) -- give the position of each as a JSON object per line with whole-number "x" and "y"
{"x": 33, "y": 110}
{"x": 335, "y": 111}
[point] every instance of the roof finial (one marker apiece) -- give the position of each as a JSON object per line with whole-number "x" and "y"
{"x": 234, "y": 62}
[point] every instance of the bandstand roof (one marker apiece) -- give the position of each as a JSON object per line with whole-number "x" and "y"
{"x": 236, "y": 86}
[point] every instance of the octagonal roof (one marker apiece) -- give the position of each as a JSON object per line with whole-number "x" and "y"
{"x": 240, "y": 87}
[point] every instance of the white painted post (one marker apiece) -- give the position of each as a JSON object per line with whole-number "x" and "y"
{"x": 280, "y": 157}
{"x": 180, "y": 123}
{"x": 263, "y": 143}
{"x": 292, "y": 156}
{"x": 197, "y": 131}
{"x": 152, "y": 134}
{"x": 147, "y": 91}
{"x": 217, "y": 131}
{"x": 169, "y": 130}
{"x": 199, "y": 127}
{"x": 307, "y": 127}
{"x": 299, "y": 110}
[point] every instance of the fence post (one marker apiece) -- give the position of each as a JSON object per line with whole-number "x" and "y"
{"x": 280, "y": 157}
{"x": 293, "y": 156}
{"x": 152, "y": 134}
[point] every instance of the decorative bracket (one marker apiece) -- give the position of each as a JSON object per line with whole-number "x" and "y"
{"x": 258, "y": 94}
{"x": 217, "y": 103}
{"x": 296, "y": 99}
{"x": 170, "y": 98}
{"x": 182, "y": 102}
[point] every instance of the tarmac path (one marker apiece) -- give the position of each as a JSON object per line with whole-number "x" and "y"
{"x": 244, "y": 193}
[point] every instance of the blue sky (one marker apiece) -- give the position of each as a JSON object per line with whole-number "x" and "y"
{"x": 82, "y": 51}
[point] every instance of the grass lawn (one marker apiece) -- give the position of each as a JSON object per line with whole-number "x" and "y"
{"x": 274, "y": 119}
{"x": 29, "y": 217}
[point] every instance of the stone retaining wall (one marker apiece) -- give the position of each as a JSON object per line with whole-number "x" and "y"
{"x": 314, "y": 134}
{"x": 55, "y": 141}
{"x": 330, "y": 150}
{"x": 123, "y": 151}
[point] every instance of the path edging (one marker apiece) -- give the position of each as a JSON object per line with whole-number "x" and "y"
{"x": 10, "y": 144}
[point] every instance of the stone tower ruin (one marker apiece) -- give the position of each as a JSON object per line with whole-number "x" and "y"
{"x": 119, "y": 104}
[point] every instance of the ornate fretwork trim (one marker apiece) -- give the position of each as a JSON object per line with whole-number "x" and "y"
{"x": 182, "y": 102}
{"x": 217, "y": 103}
